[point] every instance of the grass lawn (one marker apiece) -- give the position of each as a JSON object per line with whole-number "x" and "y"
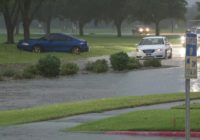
{"x": 99, "y": 45}
{"x": 68, "y": 109}
{"x": 192, "y": 106}
{"x": 150, "y": 120}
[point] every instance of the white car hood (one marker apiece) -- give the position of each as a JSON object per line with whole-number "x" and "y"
{"x": 150, "y": 47}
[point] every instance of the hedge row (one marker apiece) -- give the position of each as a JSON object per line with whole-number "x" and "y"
{"x": 50, "y": 66}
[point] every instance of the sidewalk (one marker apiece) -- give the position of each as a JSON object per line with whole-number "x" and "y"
{"x": 52, "y": 130}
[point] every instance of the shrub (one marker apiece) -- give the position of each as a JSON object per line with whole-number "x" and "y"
{"x": 98, "y": 66}
{"x": 89, "y": 66}
{"x": 152, "y": 63}
{"x": 69, "y": 69}
{"x": 18, "y": 76}
{"x": 31, "y": 69}
{"x": 133, "y": 63}
{"x": 49, "y": 66}
{"x": 119, "y": 61}
{"x": 1, "y": 78}
{"x": 8, "y": 73}
{"x": 27, "y": 75}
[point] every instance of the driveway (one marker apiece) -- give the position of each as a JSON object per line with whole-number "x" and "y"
{"x": 28, "y": 93}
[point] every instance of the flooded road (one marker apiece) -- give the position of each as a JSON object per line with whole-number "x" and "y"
{"x": 27, "y": 93}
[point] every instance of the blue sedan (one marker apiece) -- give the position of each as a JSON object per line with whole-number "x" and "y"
{"x": 54, "y": 43}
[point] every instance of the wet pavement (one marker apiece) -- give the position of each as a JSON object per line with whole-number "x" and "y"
{"x": 28, "y": 93}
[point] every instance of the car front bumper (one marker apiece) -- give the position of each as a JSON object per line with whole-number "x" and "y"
{"x": 155, "y": 54}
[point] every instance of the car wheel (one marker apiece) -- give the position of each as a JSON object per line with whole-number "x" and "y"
{"x": 165, "y": 54}
{"x": 37, "y": 49}
{"x": 170, "y": 54}
{"x": 76, "y": 50}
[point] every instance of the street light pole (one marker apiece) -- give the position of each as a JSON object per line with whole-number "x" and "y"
{"x": 187, "y": 112}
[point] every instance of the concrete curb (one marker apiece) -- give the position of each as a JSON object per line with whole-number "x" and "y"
{"x": 154, "y": 133}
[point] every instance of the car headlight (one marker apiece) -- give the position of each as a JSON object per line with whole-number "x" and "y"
{"x": 138, "y": 50}
{"x": 147, "y": 29}
{"x": 25, "y": 44}
{"x": 182, "y": 39}
{"x": 140, "y": 30}
{"x": 159, "y": 50}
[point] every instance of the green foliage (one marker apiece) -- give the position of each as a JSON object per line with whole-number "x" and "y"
{"x": 119, "y": 61}
{"x": 133, "y": 63}
{"x": 9, "y": 72}
{"x": 69, "y": 69}
{"x": 152, "y": 63}
{"x": 1, "y": 78}
{"x": 18, "y": 76}
{"x": 98, "y": 66}
{"x": 49, "y": 66}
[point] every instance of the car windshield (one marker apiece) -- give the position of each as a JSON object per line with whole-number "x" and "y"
{"x": 152, "y": 41}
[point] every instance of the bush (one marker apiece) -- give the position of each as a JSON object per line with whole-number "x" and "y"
{"x": 31, "y": 69}
{"x": 119, "y": 61}
{"x": 18, "y": 76}
{"x": 133, "y": 63}
{"x": 69, "y": 69}
{"x": 49, "y": 66}
{"x": 152, "y": 63}
{"x": 8, "y": 73}
{"x": 89, "y": 66}
{"x": 98, "y": 66}
{"x": 1, "y": 78}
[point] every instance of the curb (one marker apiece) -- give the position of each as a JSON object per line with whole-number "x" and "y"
{"x": 154, "y": 133}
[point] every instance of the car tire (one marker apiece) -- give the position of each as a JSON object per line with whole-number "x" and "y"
{"x": 170, "y": 54}
{"x": 76, "y": 50}
{"x": 165, "y": 54}
{"x": 37, "y": 49}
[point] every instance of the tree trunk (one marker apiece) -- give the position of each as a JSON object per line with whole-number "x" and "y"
{"x": 118, "y": 26}
{"x": 17, "y": 28}
{"x": 48, "y": 25}
{"x": 172, "y": 25}
{"x": 10, "y": 36}
{"x": 26, "y": 26}
{"x": 157, "y": 28}
{"x": 10, "y": 29}
{"x": 81, "y": 31}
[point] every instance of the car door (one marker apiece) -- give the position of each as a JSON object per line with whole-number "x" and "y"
{"x": 58, "y": 43}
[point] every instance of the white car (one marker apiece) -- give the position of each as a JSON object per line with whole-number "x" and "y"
{"x": 154, "y": 47}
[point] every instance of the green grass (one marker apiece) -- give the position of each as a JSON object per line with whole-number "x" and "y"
{"x": 151, "y": 120}
{"x": 192, "y": 106}
{"x": 99, "y": 45}
{"x": 68, "y": 109}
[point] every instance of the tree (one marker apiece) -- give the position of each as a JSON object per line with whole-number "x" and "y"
{"x": 177, "y": 10}
{"x": 117, "y": 11}
{"x": 10, "y": 11}
{"x": 80, "y": 12}
{"x": 198, "y": 8}
{"x": 48, "y": 10}
{"x": 154, "y": 11}
{"x": 28, "y": 9}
